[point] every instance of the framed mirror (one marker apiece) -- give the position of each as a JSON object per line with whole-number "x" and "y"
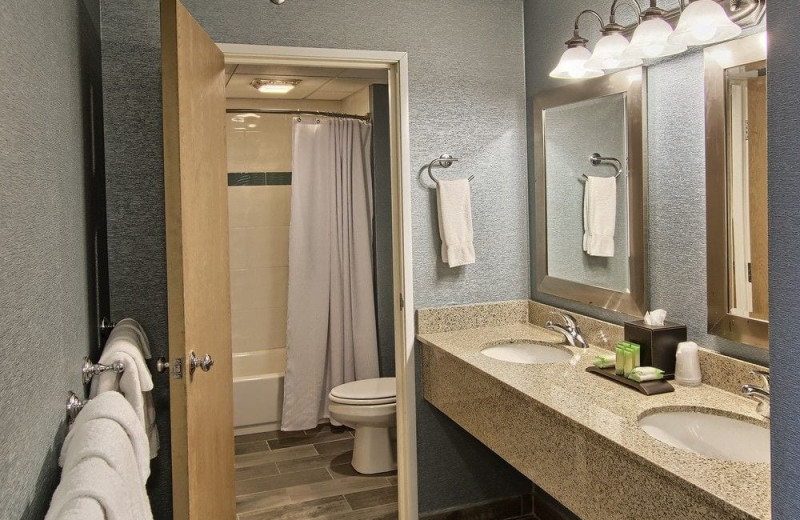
{"x": 590, "y": 191}
{"x": 736, "y": 190}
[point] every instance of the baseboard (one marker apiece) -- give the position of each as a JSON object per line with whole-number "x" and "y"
{"x": 546, "y": 507}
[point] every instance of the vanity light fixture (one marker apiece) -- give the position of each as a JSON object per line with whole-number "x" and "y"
{"x": 652, "y": 38}
{"x": 274, "y": 86}
{"x": 609, "y": 53}
{"x": 703, "y": 22}
{"x": 573, "y": 63}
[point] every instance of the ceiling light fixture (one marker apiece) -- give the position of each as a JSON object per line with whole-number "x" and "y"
{"x": 704, "y": 22}
{"x": 573, "y": 63}
{"x": 609, "y": 53}
{"x": 274, "y": 86}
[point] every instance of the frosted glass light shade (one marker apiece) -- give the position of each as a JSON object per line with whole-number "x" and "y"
{"x": 573, "y": 65}
{"x": 651, "y": 40}
{"x": 704, "y": 22}
{"x": 609, "y": 54}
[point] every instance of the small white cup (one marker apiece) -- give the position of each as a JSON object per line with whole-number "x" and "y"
{"x": 687, "y": 364}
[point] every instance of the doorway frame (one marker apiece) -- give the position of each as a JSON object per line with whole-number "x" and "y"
{"x": 396, "y": 63}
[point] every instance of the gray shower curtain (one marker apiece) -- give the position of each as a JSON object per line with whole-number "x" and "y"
{"x": 331, "y": 331}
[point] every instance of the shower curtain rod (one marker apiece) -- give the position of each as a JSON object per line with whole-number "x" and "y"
{"x": 296, "y": 112}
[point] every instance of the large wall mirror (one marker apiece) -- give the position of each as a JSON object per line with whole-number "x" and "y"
{"x": 736, "y": 185}
{"x": 589, "y": 174}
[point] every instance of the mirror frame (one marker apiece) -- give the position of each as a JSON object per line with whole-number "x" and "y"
{"x": 721, "y": 322}
{"x": 633, "y": 83}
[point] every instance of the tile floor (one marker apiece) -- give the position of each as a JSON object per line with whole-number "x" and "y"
{"x": 300, "y": 475}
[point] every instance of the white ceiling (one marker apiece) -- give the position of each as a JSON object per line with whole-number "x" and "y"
{"x": 319, "y": 83}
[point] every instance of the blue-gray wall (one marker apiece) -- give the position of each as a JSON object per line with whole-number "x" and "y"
{"x": 46, "y": 295}
{"x": 467, "y": 98}
{"x": 676, "y": 142}
{"x": 784, "y": 248}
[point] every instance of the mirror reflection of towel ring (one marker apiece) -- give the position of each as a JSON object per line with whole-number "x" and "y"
{"x": 596, "y": 159}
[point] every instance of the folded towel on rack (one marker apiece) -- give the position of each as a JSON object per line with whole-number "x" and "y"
{"x": 113, "y": 406}
{"x": 131, "y": 329}
{"x": 455, "y": 222}
{"x": 599, "y": 215}
{"x": 81, "y": 508}
{"x": 135, "y": 383}
{"x": 92, "y": 479}
{"x": 105, "y": 439}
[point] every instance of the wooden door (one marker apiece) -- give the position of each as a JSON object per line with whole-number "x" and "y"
{"x": 757, "y": 175}
{"x": 195, "y": 184}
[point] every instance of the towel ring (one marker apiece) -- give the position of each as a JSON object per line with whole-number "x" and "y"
{"x": 445, "y": 161}
{"x": 596, "y": 160}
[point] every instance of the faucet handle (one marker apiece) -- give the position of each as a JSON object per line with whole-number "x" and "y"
{"x": 764, "y": 375}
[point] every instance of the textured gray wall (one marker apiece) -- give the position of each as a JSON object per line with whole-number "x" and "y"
{"x": 466, "y": 98}
{"x": 45, "y": 288}
{"x": 676, "y": 141}
{"x": 572, "y": 133}
{"x": 784, "y": 247}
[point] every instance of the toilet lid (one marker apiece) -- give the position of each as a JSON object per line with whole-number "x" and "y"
{"x": 381, "y": 388}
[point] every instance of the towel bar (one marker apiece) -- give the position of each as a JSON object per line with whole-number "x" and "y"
{"x": 445, "y": 161}
{"x": 74, "y": 406}
{"x": 89, "y": 369}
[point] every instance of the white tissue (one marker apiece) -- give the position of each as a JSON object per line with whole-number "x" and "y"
{"x": 655, "y": 318}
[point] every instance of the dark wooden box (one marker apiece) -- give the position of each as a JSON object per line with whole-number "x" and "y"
{"x": 659, "y": 344}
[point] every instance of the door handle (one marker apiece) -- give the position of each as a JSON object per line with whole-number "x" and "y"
{"x": 204, "y": 364}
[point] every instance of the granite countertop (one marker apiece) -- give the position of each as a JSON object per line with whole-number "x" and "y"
{"x": 741, "y": 490}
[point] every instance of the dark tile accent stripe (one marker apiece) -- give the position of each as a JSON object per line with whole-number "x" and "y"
{"x": 260, "y": 179}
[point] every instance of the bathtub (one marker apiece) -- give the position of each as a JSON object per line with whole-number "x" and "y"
{"x": 258, "y": 390}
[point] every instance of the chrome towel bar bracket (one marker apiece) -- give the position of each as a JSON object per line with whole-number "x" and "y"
{"x": 89, "y": 369}
{"x": 596, "y": 160}
{"x": 445, "y": 161}
{"x": 74, "y": 405}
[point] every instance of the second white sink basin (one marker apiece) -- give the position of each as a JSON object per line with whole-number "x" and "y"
{"x": 716, "y": 436}
{"x": 527, "y": 352}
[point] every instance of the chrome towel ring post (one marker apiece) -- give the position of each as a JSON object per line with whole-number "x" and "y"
{"x": 596, "y": 160}
{"x": 445, "y": 161}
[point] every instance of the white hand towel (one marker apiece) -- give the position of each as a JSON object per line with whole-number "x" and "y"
{"x": 455, "y": 222}
{"x": 121, "y": 348}
{"x": 113, "y": 406}
{"x": 105, "y": 439}
{"x": 131, "y": 329}
{"x": 93, "y": 478}
{"x": 599, "y": 215}
{"x": 81, "y": 508}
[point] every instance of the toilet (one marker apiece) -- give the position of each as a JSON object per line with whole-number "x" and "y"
{"x": 369, "y": 407}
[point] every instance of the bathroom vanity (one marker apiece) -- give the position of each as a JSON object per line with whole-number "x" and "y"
{"x": 576, "y": 435}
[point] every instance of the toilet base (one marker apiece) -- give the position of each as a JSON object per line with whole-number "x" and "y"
{"x": 373, "y": 451}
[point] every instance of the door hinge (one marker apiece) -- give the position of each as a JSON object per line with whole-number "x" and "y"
{"x": 402, "y": 301}
{"x": 750, "y": 271}
{"x": 746, "y": 129}
{"x": 177, "y": 368}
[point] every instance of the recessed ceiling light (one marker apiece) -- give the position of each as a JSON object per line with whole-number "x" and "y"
{"x": 274, "y": 86}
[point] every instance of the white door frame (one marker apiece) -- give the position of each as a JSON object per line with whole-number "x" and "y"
{"x": 396, "y": 63}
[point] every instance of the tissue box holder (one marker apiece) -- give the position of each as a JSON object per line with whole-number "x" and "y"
{"x": 658, "y": 344}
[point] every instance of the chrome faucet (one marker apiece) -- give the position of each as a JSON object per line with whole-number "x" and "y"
{"x": 759, "y": 393}
{"x": 569, "y": 329}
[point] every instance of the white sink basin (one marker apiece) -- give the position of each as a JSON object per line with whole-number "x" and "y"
{"x": 716, "y": 436}
{"x": 527, "y": 352}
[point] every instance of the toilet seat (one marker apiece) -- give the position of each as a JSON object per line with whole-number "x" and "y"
{"x": 381, "y": 390}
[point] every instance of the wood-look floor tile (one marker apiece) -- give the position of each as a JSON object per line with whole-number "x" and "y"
{"x": 346, "y": 470}
{"x": 285, "y": 480}
{"x": 251, "y": 447}
{"x": 385, "y": 512}
{"x": 256, "y": 471}
{"x": 317, "y": 461}
{"x": 263, "y": 500}
{"x": 334, "y": 447}
{"x": 296, "y": 452}
{"x": 322, "y": 508}
{"x": 329, "y": 488}
{"x": 327, "y": 436}
{"x": 267, "y": 436}
{"x": 372, "y": 498}
{"x": 393, "y": 479}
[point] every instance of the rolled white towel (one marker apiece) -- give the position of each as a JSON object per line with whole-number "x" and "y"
{"x": 94, "y": 479}
{"x": 128, "y": 327}
{"x": 105, "y": 439}
{"x": 82, "y": 508}
{"x": 112, "y": 405}
{"x": 122, "y": 344}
